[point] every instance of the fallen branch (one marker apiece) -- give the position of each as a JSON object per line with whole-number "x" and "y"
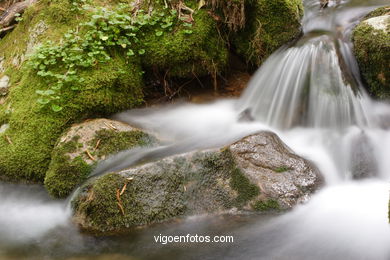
{"x": 7, "y": 28}
{"x": 10, "y": 14}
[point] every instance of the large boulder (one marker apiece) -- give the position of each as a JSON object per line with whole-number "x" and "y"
{"x": 83, "y": 146}
{"x": 371, "y": 40}
{"x": 258, "y": 172}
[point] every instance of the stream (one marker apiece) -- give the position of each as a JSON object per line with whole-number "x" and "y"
{"x": 310, "y": 94}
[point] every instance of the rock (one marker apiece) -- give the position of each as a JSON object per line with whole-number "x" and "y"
{"x": 3, "y": 128}
{"x": 371, "y": 40}
{"x": 4, "y": 85}
{"x": 362, "y": 158}
{"x": 258, "y": 172}
{"x": 85, "y": 144}
{"x": 2, "y": 69}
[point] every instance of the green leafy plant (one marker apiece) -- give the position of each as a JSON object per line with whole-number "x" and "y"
{"x": 59, "y": 64}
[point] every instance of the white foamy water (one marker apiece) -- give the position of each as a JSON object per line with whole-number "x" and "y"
{"x": 26, "y": 213}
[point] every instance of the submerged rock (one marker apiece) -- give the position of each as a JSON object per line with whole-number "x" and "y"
{"x": 363, "y": 160}
{"x": 371, "y": 40}
{"x": 258, "y": 172}
{"x": 83, "y": 146}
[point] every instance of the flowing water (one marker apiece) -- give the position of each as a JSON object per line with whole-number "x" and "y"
{"x": 311, "y": 95}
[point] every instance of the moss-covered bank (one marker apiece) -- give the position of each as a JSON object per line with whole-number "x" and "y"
{"x": 270, "y": 24}
{"x": 69, "y": 86}
{"x": 371, "y": 40}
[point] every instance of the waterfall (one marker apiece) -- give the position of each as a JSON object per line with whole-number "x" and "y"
{"x": 312, "y": 83}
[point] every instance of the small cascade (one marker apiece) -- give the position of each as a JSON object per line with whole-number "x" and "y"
{"x": 304, "y": 85}
{"x": 314, "y": 83}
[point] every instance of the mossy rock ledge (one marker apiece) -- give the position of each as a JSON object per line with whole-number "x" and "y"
{"x": 84, "y": 145}
{"x": 371, "y": 40}
{"x": 258, "y": 172}
{"x": 269, "y": 25}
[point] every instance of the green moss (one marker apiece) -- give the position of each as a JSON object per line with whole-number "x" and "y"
{"x": 45, "y": 20}
{"x": 68, "y": 174}
{"x": 99, "y": 205}
{"x": 34, "y": 129}
{"x": 112, "y": 142}
{"x": 245, "y": 189}
{"x": 282, "y": 169}
{"x": 187, "y": 51}
{"x": 269, "y": 204}
{"x": 378, "y": 12}
{"x": 65, "y": 174}
{"x": 372, "y": 51}
{"x": 270, "y": 24}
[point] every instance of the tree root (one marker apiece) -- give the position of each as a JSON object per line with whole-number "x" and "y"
{"x": 10, "y": 14}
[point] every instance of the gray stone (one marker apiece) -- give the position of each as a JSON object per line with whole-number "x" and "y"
{"x": 4, "y": 85}
{"x": 258, "y": 172}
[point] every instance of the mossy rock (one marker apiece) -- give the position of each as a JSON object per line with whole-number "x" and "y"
{"x": 269, "y": 25}
{"x": 80, "y": 149}
{"x": 242, "y": 175}
{"x": 187, "y": 52}
{"x": 25, "y": 147}
{"x": 371, "y": 40}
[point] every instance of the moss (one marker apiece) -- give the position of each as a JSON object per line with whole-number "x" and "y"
{"x": 282, "y": 169}
{"x": 378, "y": 12}
{"x": 246, "y": 190}
{"x": 112, "y": 142}
{"x": 34, "y": 129}
{"x": 270, "y": 24}
{"x": 183, "y": 54}
{"x": 102, "y": 211}
{"x": 269, "y": 204}
{"x": 65, "y": 174}
{"x": 68, "y": 174}
{"x": 372, "y": 51}
{"x": 43, "y": 21}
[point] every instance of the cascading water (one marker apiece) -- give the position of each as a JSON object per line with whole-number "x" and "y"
{"x": 305, "y": 84}
{"x": 311, "y": 95}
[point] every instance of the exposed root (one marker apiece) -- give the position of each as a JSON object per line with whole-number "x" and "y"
{"x": 10, "y": 14}
{"x": 7, "y": 28}
{"x": 233, "y": 11}
{"x": 185, "y": 13}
